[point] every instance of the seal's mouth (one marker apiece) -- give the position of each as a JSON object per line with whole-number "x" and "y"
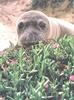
{"x": 30, "y": 44}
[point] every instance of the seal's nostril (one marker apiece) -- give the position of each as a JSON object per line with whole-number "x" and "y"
{"x": 30, "y": 37}
{"x": 35, "y": 33}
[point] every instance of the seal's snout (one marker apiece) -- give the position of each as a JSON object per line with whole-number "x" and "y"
{"x": 30, "y": 38}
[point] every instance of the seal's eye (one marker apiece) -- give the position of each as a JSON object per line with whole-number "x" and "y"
{"x": 20, "y": 25}
{"x": 42, "y": 24}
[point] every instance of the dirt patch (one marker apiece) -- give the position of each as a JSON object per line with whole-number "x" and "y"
{"x": 11, "y": 9}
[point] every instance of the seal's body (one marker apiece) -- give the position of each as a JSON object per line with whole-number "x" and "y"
{"x": 35, "y": 26}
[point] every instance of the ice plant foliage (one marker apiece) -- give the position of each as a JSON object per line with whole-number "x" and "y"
{"x": 39, "y": 73}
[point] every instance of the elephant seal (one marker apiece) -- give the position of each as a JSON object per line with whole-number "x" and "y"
{"x": 34, "y": 26}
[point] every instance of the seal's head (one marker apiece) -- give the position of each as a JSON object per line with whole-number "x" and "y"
{"x": 32, "y": 27}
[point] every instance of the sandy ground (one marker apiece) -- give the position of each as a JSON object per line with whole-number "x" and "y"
{"x": 10, "y": 10}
